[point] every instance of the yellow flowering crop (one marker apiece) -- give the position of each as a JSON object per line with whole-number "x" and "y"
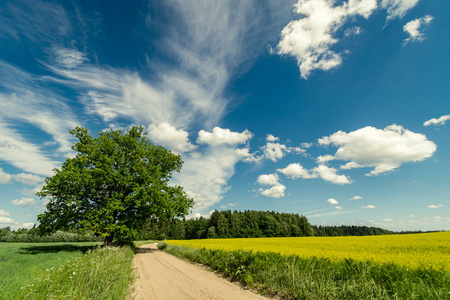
{"x": 428, "y": 250}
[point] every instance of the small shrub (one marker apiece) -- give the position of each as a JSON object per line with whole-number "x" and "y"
{"x": 162, "y": 246}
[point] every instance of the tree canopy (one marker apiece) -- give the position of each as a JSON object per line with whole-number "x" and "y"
{"x": 115, "y": 183}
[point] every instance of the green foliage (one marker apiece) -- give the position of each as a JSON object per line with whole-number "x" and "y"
{"x": 22, "y": 263}
{"x": 28, "y": 236}
{"x": 115, "y": 183}
{"x": 103, "y": 273}
{"x": 228, "y": 224}
{"x": 292, "y": 277}
{"x": 162, "y": 246}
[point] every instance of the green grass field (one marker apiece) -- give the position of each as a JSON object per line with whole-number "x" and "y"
{"x": 22, "y": 263}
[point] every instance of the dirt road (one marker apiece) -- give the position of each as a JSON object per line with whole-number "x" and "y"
{"x": 163, "y": 276}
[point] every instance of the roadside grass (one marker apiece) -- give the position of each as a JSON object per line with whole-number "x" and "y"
{"x": 101, "y": 273}
{"x": 21, "y": 263}
{"x": 292, "y": 277}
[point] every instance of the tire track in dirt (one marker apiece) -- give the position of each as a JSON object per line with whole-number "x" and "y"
{"x": 163, "y": 276}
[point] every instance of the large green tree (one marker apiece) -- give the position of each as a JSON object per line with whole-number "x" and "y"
{"x": 115, "y": 183}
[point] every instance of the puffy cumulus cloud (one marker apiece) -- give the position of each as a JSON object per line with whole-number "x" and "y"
{"x": 268, "y": 179}
{"x": 397, "y": 8}
{"x": 350, "y": 165}
{"x": 4, "y": 213}
{"x": 295, "y": 171}
{"x": 438, "y": 121}
{"x": 415, "y": 29}
{"x": 27, "y": 225}
{"x": 220, "y": 136}
{"x": 271, "y": 138}
{"x": 388, "y": 220}
{"x": 69, "y": 58}
{"x": 370, "y": 206}
{"x": 384, "y": 149}
{"x": 205, "y": 176}
{"x": 324, "y": 172}
{"x": 29, "y": 179}
{"x": 332, "y": 201}
{"x": 435, "y": 206}
{"x": 276, "y": 191}
{"x": 246, "y": 156}
{"x": 169, "y": 136}
{"x": 5, "y": 177}
{"x": 24, "y": 202}
{"x": 6, "y": 221}
{"x": 338, "y": 207}
{"x": 274, "y": 151}
{"x": 309, "y": 39}
{"x": 324, "y": 158}
{"x": 355, "y": 198}
{"x": 330, "y": 174}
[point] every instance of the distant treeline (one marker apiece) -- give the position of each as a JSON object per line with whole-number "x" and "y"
{"x": 33, "y": 236}
{"x": 250, "y": 223}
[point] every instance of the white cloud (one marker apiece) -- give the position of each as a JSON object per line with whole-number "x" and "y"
{"x": 276, "y": 191}
{"x": 338, "y": 207}
{"x": 355, "y": 198}
{"x": 333, "y": 213}
{"x": 69, "y": 58}
{"x": 24, "y": 99}
{"x": 167, "y": 135}
{"x": 332, "y": 201}
{"x": 271, "y": 138}
{"x": 274, "y": 151}
{"x": 415, "y": 29}
{"x": 29, "y": 179}
{"x": 4, "y": 177}
{"x": 4, "y": 213}
{"x": 384, "y": 149}
{"x": 246, "y": 156}
{"x": 388, "y": 220}
{"x": 27, "y": 225}
{"x": 350, "y": 165}
{"x": 306, "y": 145}
{"x": 220, "y": 136}
{"x": 435, "y": 206}
{"x": 268, "y": 179}
{"x": 324, "y": 158}
{"x": 295, "y": 171}
{"x": 22, "y": 154}
{"x": 370, "y": 206}
{"x": 6, "y": 221}
{"x": 326, "y": 173}
{"x": 330, "y": 174}
{"x": 438, "y": 121}
{"x": 24, "y": 202}
{"x": 309, "y": 39}
{"x": 397, "y": 8}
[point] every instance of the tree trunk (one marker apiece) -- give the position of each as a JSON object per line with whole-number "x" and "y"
{"x": 109, "y": 239}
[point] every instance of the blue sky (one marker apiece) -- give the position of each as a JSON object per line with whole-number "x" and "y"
{"x": 337, "y": 110}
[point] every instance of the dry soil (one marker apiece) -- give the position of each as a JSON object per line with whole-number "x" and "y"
{"x": 163, "y": 276}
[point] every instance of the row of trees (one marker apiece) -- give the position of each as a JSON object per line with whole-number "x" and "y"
{"x": 33, "y": 236}
{"x": 236, "y": 224}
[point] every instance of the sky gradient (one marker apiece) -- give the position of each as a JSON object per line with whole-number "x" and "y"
{"x": 336, "y": 110}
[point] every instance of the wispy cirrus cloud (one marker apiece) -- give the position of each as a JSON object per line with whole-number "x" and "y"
{"x": 415, "y": 29}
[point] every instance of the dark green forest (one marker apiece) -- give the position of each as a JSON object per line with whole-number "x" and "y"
{"x": 248, "y": 224}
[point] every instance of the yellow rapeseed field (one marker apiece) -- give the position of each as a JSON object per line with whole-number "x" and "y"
{"x": 429, "y": 250}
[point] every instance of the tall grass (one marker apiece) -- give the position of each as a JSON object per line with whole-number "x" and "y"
{"x": 293, "y": 277}
{"x": 21, "y": 263}
{"x": 103, "y": 273}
